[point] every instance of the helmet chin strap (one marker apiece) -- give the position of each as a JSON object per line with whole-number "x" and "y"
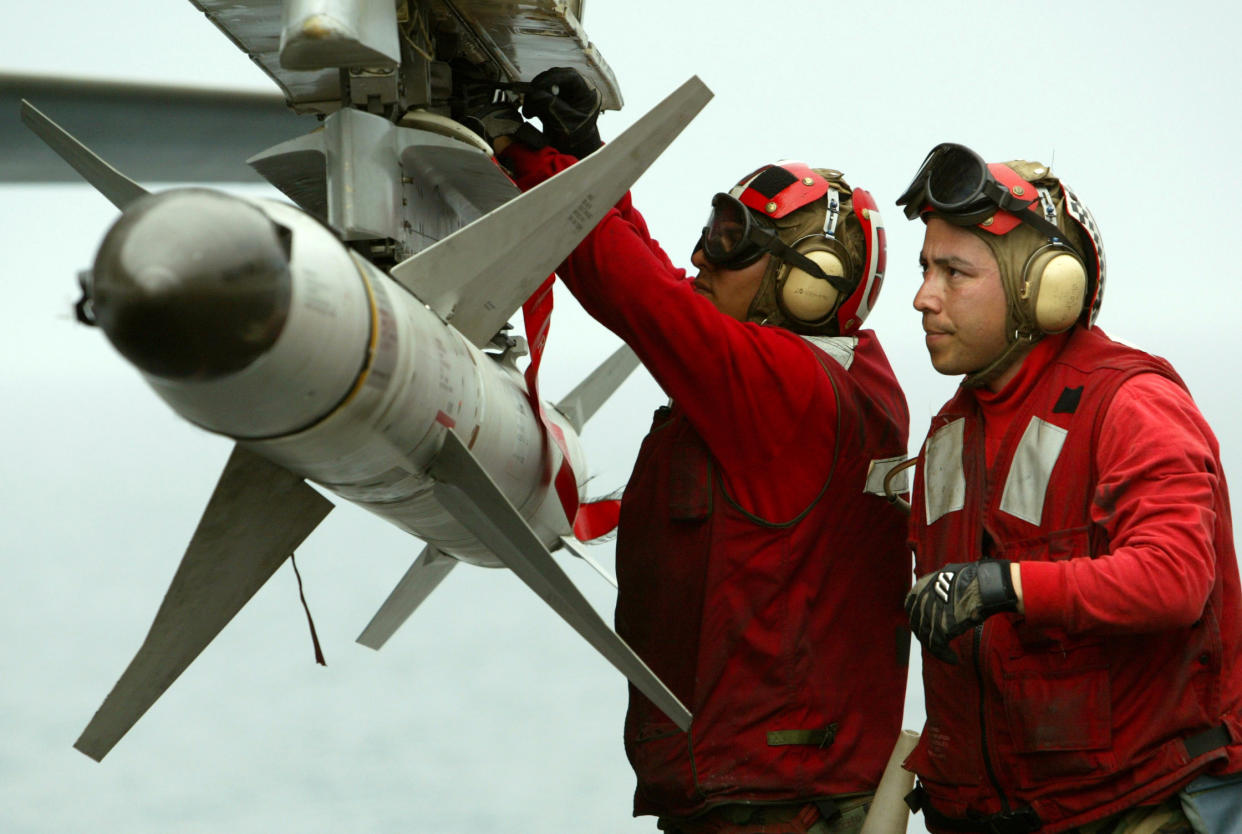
{"x": 1016, "y": 349}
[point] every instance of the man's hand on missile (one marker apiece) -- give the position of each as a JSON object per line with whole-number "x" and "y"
{"x": 948, "y": 602}
{"x": 568, "y": 107}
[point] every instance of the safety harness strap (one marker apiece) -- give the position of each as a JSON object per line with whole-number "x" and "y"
{"x": 757, "y": 819}
{"x": 1025, "y": 820}
{"x": 1020, "y": 821}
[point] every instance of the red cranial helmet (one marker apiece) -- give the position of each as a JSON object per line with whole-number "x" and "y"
{"x": 1044, "y": 238}
{"x": 827, "y": 242}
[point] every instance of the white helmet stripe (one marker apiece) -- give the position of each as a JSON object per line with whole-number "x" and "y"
{"x": 872, "y": 273}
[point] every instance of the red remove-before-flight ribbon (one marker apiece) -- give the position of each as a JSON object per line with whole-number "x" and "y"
{"x": 593, "y": 519}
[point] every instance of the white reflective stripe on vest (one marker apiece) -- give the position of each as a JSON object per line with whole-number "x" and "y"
{"x": 1027, "y": 483}
{"x": 840, "y": 348}
{"x": 944, "y": 480}
{"x": 878, "y": 471}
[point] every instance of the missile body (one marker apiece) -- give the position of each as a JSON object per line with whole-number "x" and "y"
{"x": 270, "y": 331}
{"x": 253, "y": 320}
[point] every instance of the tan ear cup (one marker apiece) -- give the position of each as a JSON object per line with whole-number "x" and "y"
{"x": 1054, "y": 289}
{"x": 809, "y": 299}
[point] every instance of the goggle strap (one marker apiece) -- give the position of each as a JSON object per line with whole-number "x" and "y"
{"x": 1051, "y": 230}
{"x": 1003, "y": 197}
{"x": 1021, "y": 209}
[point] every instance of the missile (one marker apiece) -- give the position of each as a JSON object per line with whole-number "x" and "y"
{"x": 252, "y": 320}
{"x": 263, "y": 327}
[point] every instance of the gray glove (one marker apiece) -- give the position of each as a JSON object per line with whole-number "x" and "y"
{"x": 568, "y": 106}
{"x": 949, "y": 602}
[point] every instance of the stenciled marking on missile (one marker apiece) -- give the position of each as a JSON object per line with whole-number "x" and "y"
{"x": 521, "y": 434}
{"x": 393, "y": 486}
{"x": 580, "y": 217}
{"x": 444, "y": 365}
{"x": 385, "y": 359}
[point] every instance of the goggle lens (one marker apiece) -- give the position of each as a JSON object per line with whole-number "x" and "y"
{"x": 734, "y": 239}
{"x": 952, "y": 180}
{"x": 727, "y": 238}
{"x": 955, "y": 179}
{"x": 723, "y": 238}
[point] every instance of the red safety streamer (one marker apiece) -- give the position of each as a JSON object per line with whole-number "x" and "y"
{"x": 537, "y": 313}
{"x": 594, "y": 519}
{"x": 597, "y": 519}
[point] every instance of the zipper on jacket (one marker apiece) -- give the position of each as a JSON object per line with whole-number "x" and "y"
{"x": 983, "y": 720}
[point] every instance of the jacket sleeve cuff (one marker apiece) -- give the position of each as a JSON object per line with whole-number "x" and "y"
{"x": 1043, "y": 592}
{"x": 531, "y": 166}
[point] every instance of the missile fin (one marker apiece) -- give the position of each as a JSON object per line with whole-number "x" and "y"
{"x": 108, "y": 181}
{"x": 580, "y": 404}
{"x": 478, "y": 276}
{"x": 428, "y": 571}
{"x": 465, "y": 489}
{"x": 258, "y": 514}
{"x": 575, "y": 547}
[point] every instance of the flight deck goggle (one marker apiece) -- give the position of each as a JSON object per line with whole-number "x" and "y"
{"x": 959, "y": 186}
{"x": 734, "y": 239}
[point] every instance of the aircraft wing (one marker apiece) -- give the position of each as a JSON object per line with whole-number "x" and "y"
{"x": 200, "y": 135}
{"x": 203, "y": 135}
{"x": 519, "y": 38}
{"x": 530, "y": 36}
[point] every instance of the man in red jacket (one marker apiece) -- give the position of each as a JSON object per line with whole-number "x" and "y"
{"x": 1078, "y": 599}
{"x": 761, "y": 570}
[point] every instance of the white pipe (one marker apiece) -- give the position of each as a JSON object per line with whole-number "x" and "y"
{"x": 889, "y": 813}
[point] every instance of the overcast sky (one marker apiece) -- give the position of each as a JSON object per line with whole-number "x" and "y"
{"x": 486, "y": 712}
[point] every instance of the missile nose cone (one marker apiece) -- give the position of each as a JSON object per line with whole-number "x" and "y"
{"x": 192, "y": 283}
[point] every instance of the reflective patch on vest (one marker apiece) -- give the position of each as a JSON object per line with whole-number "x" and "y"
{"x": 944, "y": 480}
{"x": 878, "y": 471}
{"x": 840, "y": 348}
{"x": 1027, "y": 482}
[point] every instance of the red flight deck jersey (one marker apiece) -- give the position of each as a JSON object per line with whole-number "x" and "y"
{"x": 761, "y": 574}
{"x": 1121, "y": 682}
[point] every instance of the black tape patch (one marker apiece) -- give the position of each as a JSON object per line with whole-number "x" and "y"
{"x": 1067, "y": 403}
{"x": 772, "y": 181}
